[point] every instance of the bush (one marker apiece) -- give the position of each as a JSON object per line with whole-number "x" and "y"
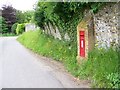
{"x": 20, "y": 29}
{"x": 8, "y": 34}
{"x": 14, "y": 27}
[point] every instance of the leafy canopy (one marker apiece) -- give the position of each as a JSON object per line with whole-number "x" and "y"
{"x": 3, "y": 25}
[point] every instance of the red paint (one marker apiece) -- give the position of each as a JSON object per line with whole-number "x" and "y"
{"x": 82, "y": 43}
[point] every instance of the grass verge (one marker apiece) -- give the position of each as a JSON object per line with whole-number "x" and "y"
{"x": 7, "y": 35}
{"x": 101, "y": 67}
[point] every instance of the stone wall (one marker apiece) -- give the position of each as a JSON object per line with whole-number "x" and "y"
{"x": 101, "y": 29}
{"x": 49, "y": 29}
{"x": 54, "y": 31}
{"x": 106, "y": 26}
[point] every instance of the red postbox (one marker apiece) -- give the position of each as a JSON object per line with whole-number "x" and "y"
{"x": 82, "y": 43}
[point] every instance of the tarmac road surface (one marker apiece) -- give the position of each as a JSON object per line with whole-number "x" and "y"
{"x": 21, "y": 69}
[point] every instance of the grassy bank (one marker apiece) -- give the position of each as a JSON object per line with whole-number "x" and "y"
{"x": 101, "y": 67}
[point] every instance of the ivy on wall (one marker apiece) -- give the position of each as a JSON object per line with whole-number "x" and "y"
{"x": 64, "y": 15}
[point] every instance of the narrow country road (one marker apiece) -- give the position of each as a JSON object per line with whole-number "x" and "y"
{"x": 20, "y": 68}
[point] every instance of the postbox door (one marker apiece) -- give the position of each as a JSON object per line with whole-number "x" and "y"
{"x": 82, "y": 44}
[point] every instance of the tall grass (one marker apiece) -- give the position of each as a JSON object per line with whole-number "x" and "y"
{"x": 101, "y": 67}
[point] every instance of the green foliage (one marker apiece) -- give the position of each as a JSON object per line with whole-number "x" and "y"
{"x": 20, "y": 29}
{"x": 0, "y": 24}
{"x": 3, "y": 26}
{"x": 20, "y": 16}
{"x": 28, "y": 15}
{"x": 96, "y": 6}
{"x": 101, "y": 67}
{"x": 114, "y": 80}
{"x": 60, "y": 14}
{"x": 64, "y": 15}
{"x": 14, "y": 27}
{"x": 24, "y": 17}
{"x": 8, "y": 34}
{"x": 40, "y": 18}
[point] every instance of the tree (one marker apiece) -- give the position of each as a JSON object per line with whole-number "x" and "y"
{"x": 24, "y": 17}
{"x": 28, "y": 16}
{"x": 3, "y": 25}
{"x": 20, "y": 18}
{"x": 9, "y": 14}
{"x": 0, "y": 24}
